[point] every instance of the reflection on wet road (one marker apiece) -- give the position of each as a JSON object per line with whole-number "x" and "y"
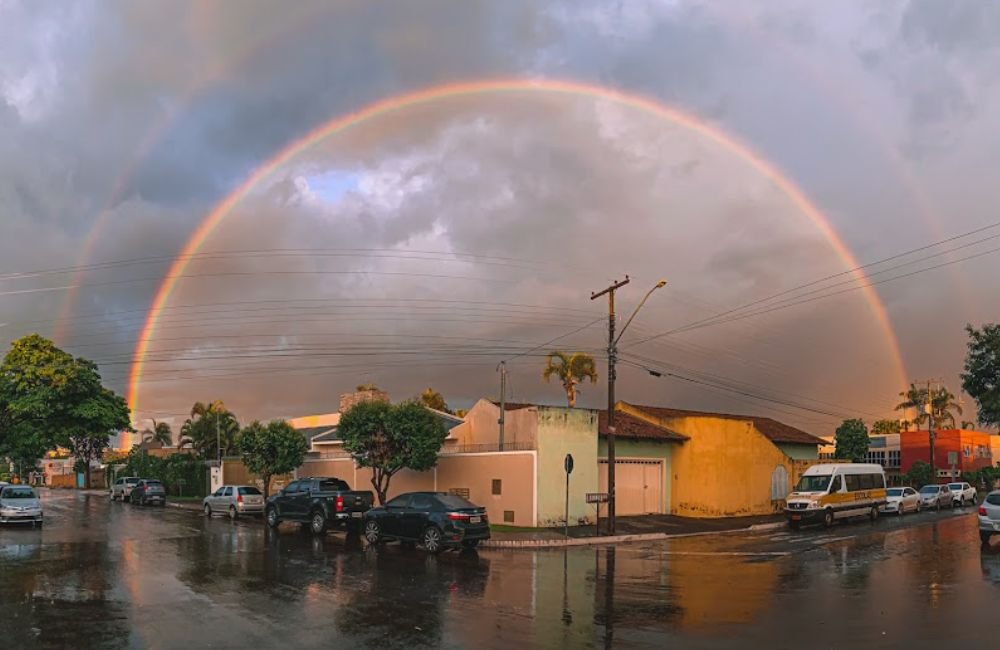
{"x": 112, "y": 576}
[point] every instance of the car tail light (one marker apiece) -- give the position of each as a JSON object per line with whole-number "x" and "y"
{"x": 340, "y": 504}
{"x": 982, "y": 511}
{"x": 239, "y": 498}
{"x": 458, "y": 516}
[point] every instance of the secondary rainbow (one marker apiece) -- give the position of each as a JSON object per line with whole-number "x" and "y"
{"x": 438, "y": 93}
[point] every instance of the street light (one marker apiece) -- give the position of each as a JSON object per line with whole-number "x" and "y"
{"x": 612, "y": 356}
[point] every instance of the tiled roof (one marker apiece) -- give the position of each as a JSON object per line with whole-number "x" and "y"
{"x": 772, "y": 429}
{"x": 628, "y": 426}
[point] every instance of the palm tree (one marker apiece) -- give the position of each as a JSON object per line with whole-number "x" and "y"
{"x": 208, "y": 425}
{"x": 942, "y": 404}
{"x": 160, "y": 432}
{"x": 432, "y": 399}
{"x": 571, "y": 369}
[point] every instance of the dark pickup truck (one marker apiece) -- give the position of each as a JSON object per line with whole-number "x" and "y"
{"x": 321, "y": 503}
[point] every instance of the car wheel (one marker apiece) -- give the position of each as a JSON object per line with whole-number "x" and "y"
{"x": 272, "y": 517}
{"x": 373, "y": 532}
{"x": 233, "y": 515}
{"x": 317, "y": 523}
{"x": 432, "y": 540}
{"x": 873, "y": 513}
{"x": 828, "y": 518}
{"x": 208, "y": 510}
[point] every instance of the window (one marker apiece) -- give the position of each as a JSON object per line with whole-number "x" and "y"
{"x": 227, "y": 492}
{"x": 333, "y": 485}
{"x": 853, "y": 482}
{"x": 293, "y": 487}
{"x": 420, "y": 502}
{"x": 508, "y": 515}
{"x": 246, "y": 491}
{"x": 218, "y": 493}
{"x": 813, "y": 484}
{"x": 837, "y": 484}
{"x": 497, "y": 486}
{"x": 453, "y": 502}
{"x": 894, "y": 460}
{"x": 399, "y": 502}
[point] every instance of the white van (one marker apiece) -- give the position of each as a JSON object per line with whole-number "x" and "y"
{"x": 829, "y": 492}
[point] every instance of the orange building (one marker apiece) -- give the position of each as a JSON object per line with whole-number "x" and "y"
{"x": 955, "y": 451}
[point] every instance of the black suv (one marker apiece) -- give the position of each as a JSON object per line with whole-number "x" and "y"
{"x": 436, "y": 520}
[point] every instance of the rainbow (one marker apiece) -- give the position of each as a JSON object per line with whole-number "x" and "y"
{"x": 437, "y": 93}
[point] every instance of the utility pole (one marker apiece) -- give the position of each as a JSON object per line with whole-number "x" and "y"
{"x": 931, "y": 433}
{"x": 503, "y": 400}
{"x": 612, "y": 353}
{"x": 218, "y": 438}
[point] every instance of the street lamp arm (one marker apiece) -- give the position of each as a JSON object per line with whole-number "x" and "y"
{"x": 659, "y": 285}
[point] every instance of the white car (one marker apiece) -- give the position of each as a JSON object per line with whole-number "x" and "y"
{"x": 989, "y": 517}
{"x": 900, "y": 500}
{"x": 962, "y": 493}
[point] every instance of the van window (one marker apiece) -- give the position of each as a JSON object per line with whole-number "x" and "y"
{"x": 853, "y": 482}
{"x": 837, "y": 484}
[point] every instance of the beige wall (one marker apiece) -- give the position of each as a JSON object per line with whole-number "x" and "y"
{"x": 564, "y": 431}
{"x": 481, "y": 426}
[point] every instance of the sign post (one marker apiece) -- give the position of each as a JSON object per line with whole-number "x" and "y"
{"x": 568, "y": 466}
{"x": 597, "y": 498}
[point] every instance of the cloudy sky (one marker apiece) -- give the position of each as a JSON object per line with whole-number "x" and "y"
{"x": 424, "y": 244}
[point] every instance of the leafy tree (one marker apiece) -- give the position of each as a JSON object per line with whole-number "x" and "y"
{"x": 271, "y": 449}
{"x": 884, "y": 427}
{"x": 160, "y": 432}
{"x": 364, "y": 388}
{"x": 432, "y": 399}
{"x": 942, "y": 404}
{"x": 920, "y": 474}
{"x": 388, "y": 438}
{"x": 968, "y": 425}
{"x": 571, "y": 369}
{"x": 208, "y": 424}
{"x": 981, "y": 378}
{"x": 50, "y": 399}
{"x": 851, "y": 440}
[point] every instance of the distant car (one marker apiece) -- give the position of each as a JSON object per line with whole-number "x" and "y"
{"x": 19, "y": 504}
{"x": 900, "y": 500}
{"x": 989, "y": 516}
{"x": 962, "y": 493}
{"x": 936, "y": 496}
{"x": 436, "y": 520}
{"x": 121, "y": 489}
{"x": 234, "y": 500}
{"x": 148, "y": 492}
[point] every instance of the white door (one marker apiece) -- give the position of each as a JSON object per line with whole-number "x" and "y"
{"x": 779, "y": 483}
{"x": 638, "y": 485}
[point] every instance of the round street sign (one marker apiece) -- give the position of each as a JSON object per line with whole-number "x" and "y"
{"x": 568, "y": 463}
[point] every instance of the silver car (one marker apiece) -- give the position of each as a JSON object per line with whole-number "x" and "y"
{"x": 121, "y": 490}
{"x": 234, "y": 500}
{"x": 19, "y": 504}
{"x": 936, "y": 497}
{"x": 989, "y": 517}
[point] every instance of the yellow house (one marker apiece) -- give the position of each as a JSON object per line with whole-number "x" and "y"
{"x": 729, "y": 465}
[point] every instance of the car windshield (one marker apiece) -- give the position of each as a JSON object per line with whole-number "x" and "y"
{"x": 132, "y": 481}
{"x": 249, "y": 491}
{"x": 455, "y": 502}
{"x": 955, "y": 486}
{"x": 930, "y": 489}
{"x": 17, "y": 493}
{"x": 813, "y": 484}
{"x": 894, "y": 492}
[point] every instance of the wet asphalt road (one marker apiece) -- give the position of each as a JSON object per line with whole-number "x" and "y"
{"x": 102, "y": 575}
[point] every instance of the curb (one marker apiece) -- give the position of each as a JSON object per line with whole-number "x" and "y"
{"x": 618, "y": 539}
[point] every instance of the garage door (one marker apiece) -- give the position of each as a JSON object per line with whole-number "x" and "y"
{"x": 638, "y": 483}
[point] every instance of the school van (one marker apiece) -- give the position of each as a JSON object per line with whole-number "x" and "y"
{"x": 826, "y": 493}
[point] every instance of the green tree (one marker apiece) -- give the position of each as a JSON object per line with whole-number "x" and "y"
{"x": 883, "y": 427}
{"x": 208, "y": 425}
{"x": 50, "y": 399}
{"x": 432, "y": 399}
{"x": 159, "y": 432}
{"x": 920, "y": 474}
{"x": 388, "y": 438}
{"x": 942, "y": 404}
{"x": 981, "y": 378}
{"x": 851, "y": 440}
{"x": 271, "y": 449}
{"x": 571, "y": 369}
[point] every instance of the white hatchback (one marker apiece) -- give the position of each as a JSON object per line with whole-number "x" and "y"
{"x": 900, "y": 500}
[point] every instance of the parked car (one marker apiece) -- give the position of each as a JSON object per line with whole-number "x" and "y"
{"x": 989, "y": 516}
{"x": 319, "y": 503}
{"x": 121, "y": 489}
{"x": 234, "y": 500}
{"x": 436, "y": 520}
{"x": 19, "y": 504}
{"x": 962, "y": 493}
{"x": 148, "y": 492}
{"x": 900, "y": 500}
{"x": 935, "y": 496}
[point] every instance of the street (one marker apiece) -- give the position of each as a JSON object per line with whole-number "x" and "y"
{"x": 110, "y": 575}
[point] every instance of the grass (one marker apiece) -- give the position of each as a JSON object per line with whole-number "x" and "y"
{"x": 502, "y": 528}
{"x": 185, "y": 498}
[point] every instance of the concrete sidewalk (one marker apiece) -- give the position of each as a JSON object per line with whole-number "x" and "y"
{"x": 630, "y": 529}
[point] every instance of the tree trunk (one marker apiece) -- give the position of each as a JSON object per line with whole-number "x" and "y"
{"x": 86, "y": 477}
{"x": 380, "y": 481}
{"x": 266, "y": 478}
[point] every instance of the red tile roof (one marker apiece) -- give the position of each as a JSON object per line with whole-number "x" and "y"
{"x": 772, "y": 429}
{"x": 628, "y": 426}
